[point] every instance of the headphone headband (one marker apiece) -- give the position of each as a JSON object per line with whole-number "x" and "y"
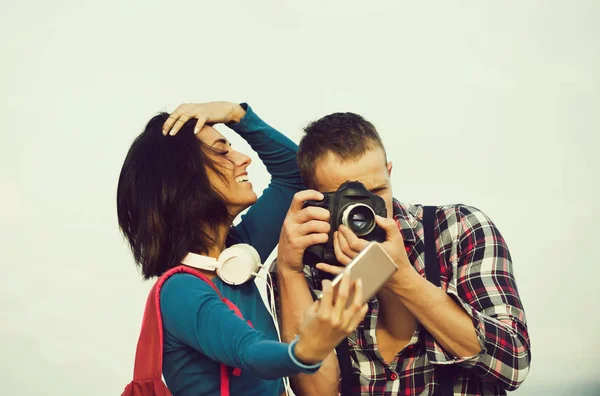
{"x": 200, "y": 261}
{"x": 235, "y": 265}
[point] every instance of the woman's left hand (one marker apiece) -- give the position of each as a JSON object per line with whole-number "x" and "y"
{"x": 206, "y": 113}
{"x": 347, "y": 245}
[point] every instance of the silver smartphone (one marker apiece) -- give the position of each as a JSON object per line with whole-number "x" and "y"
{"x": 373, "y": 266}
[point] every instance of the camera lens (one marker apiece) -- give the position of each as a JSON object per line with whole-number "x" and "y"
{"x": 360, "y": 218}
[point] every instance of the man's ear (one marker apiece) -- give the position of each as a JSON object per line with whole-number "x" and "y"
{"x": 389, "y": 168}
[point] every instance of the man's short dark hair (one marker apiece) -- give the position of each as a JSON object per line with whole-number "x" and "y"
{"x": 347, "y": 135}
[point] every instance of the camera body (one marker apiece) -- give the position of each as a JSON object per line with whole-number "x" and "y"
{"x": 355, "y": 207}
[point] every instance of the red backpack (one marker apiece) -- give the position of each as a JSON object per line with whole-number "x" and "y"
{"x": 147, "y": 372}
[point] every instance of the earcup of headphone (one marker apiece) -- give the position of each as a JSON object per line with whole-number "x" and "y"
{"x": 238, "y": 263}
{"x": 253, "y": 253}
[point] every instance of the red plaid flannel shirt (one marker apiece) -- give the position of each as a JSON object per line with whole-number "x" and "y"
{"x": 476, "y": 270}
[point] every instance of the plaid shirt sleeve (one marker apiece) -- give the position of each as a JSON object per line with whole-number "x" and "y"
{"x": 482, "y": 282}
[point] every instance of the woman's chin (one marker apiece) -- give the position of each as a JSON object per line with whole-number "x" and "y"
{"x": 242, "y": 203}
{"x": 253, "y": 199}
{"x": 249, "y": 200}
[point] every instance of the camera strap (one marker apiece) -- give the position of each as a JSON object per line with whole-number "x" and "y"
{"x": 432, "y": 273}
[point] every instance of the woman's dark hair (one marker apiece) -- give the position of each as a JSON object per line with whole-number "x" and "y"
{"x": 165, "y": 202}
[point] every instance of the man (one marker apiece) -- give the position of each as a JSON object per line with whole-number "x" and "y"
{"x": 474, "y": 324}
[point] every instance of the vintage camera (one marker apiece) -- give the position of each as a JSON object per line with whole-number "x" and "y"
{"x": 355, "y": 207}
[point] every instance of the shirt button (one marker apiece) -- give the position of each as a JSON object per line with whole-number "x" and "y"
{"x": 393, "y": 376}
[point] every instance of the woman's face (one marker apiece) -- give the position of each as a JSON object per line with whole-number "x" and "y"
{"x": 234, "y": 186}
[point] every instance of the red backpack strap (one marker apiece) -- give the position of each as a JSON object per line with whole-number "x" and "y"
{"x": 149, "y": 352}
{"x": 224, "y": 380}
{"x": 148, "y": 355}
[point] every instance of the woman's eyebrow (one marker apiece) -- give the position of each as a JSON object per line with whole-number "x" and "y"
{"x": 220, "y": 140}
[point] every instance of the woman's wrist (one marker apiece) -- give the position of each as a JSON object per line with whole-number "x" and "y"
{"x": 301, "y": 352}
{"x": 237, "y": 113}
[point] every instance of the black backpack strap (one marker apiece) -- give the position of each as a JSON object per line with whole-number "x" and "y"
{"x": 432, "y": 267}
{"x": 432, "y": 272}
{"x": 342, "y": 352}
{"x": 343, "y": 357}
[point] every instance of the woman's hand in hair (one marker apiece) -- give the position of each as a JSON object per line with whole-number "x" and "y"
{"x": 328, "y": 321}
{"x": 205, "y": 113}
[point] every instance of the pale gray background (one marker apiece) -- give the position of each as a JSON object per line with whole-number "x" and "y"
{"x": 494, "y": 104}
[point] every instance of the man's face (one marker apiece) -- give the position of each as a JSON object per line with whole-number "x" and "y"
{"x": 371, "y": 170}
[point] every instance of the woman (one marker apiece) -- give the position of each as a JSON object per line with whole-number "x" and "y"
{"x": 180, "y": 188}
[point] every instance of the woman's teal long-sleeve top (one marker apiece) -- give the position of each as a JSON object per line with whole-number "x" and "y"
{"x": 200, "y": 331}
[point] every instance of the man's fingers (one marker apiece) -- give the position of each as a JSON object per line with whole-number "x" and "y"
{"x": 390, "y": 227}
{"x": 345, "y": 246}
{"x": 314, "y": 226}
{"x": 331, "y": 269}
{"x": 354, "y": 243}
{"x": 339, "y": 254}
{"x": 303, "y": 196}
{"x": 312, "y": 213}
{"x": 302, "y": 242}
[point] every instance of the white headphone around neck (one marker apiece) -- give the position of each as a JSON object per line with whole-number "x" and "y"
{"x": 236, "y": 265}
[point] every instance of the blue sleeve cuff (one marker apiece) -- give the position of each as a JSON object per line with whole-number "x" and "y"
{"x": 248, "y": 121}
{"x": 309, "y": 369}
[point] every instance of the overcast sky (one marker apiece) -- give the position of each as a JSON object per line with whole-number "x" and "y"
{"x": 492, "y": 104}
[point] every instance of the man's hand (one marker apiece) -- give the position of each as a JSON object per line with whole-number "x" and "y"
{"x": 347, "y": 245}
{"x": 206, "y": 113}
{"x": 302, "y": 227}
